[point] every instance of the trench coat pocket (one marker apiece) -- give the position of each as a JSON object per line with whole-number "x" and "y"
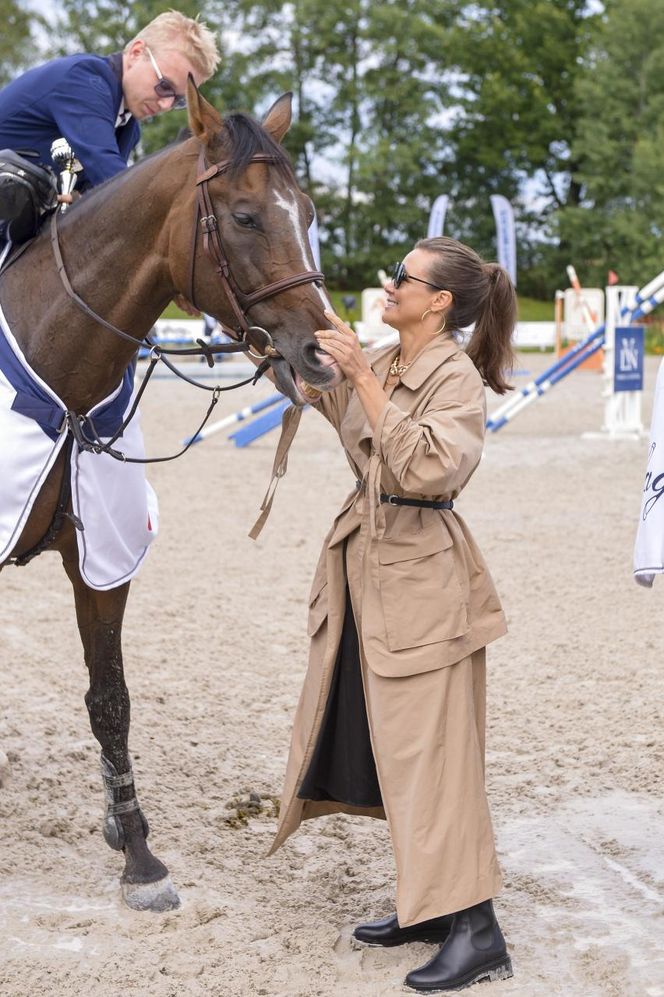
{"x": 318, "y": 607}
{"x": 422, "y": 598}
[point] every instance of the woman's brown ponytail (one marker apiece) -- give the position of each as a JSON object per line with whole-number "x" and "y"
{"x": 482, "y": 294}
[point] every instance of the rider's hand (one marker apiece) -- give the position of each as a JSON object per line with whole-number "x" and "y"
{"x": 186, "y": 306}
{"x": 65, "y": 199}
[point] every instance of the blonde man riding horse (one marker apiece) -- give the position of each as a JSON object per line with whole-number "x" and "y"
{"x": 96, "y": 102}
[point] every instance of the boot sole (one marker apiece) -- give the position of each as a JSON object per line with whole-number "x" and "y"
{"x": 359, "y": 943}
{"x": 500, "y": 970}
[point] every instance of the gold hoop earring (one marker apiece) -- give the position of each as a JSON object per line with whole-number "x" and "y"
{"x": 438, "y": 331}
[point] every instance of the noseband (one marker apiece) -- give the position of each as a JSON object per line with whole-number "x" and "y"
{"x": 206, "y": 220}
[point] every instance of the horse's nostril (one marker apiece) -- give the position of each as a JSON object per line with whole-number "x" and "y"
{"x": 312, "y": 353}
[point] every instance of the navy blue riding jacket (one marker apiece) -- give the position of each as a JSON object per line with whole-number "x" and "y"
{"x": 78, "y": 98}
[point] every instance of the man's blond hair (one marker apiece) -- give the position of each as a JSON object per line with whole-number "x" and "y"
{"x": 187, "y": 35}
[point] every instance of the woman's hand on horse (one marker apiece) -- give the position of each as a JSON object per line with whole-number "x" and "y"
{"x": 342, "y": 345}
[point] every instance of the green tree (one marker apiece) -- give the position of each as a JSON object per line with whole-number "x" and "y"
{"x": 619, "y": 220}
{"x": 19, "y": 46}
{"x": 396, "y": 140}
{"x": 515, "y": 130}
{"x": 549, "y": 102}
{"x": 363, "y": 140}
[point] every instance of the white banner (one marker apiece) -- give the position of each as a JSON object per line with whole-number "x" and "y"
{"x": 505, "y": 233}
{"x": 649, "y": 546}
{"x": 314, "y": 241}
{"x": 437, "y": 217}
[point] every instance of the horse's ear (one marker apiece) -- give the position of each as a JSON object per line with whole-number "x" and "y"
{"x": 204, "y": 119}
{"x": 277, "y": 121}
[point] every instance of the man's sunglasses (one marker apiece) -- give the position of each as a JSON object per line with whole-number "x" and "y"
{"x": 398, "y": 274}
{"x": 164, "y": 89}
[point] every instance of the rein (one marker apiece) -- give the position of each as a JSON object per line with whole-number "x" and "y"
{"x": 245, "y": 335}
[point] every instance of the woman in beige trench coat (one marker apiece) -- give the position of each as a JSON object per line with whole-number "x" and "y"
{"x": 391, "y": 718}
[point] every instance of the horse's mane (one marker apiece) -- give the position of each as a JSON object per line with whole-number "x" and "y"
{"x": 243, "y": 137}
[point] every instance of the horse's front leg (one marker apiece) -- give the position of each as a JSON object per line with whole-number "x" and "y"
{"x": 146, "y": 884}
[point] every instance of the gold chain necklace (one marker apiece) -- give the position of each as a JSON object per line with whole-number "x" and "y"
{"x": 397, "y": 368}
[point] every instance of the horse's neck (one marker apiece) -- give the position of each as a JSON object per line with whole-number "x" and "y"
{"x": 115, "y": 250}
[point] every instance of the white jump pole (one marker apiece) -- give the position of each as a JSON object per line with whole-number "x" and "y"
{"x": 589, "y": 316}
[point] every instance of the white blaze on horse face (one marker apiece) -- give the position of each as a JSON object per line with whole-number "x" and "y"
{"x": 292, "y": 210}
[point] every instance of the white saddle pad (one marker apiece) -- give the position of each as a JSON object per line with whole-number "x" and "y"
{"x": 113, "y": 500}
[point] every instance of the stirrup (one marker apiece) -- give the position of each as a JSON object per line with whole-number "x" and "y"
{"x": 112, "y": 829}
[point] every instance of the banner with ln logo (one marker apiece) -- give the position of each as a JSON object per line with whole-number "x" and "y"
{"x": 628, "y": 359}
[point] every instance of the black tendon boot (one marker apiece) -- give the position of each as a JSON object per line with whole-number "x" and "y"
{"x": 475, "y": 951}
{"x": 387, "y": 932}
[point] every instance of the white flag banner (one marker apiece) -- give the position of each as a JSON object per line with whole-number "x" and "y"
{"x": 649, "y": 546}
{"x": 505, "y": 233}
{"x": 437, "y": 217}
{"x": 314, "y": 241}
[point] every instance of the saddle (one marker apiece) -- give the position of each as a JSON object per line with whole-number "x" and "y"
{"x": 28, "y": 192}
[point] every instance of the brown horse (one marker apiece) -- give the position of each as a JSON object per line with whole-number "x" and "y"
{"x": 129, "y": 247}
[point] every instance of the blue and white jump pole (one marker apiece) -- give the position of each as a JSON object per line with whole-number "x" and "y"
{"x": 262, "y": 424}
{"x": 244, "y": 413}
{"x": 645, "y": 301}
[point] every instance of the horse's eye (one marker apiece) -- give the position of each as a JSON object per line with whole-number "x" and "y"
{"x": 246, "y": 221}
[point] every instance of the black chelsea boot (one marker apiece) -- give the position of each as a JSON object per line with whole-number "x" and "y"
{"x": 475, "y": 951}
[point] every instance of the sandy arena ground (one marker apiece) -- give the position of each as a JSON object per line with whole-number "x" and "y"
{"x": 215, "y": 652}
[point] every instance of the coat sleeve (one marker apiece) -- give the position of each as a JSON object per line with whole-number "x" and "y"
{"x": 83, "y": 107}
{"x": 435, "y": 452}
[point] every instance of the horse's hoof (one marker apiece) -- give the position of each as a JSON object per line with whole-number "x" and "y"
{"x": 158, "y": 897}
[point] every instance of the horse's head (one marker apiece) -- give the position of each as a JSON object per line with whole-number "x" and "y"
{"x": 253, "y": 262}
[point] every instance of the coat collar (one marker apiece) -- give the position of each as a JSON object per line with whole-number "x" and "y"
{"x": 425, "y": 363}
{"x": 115, "y": 62}
{"x": 123, "y": 116}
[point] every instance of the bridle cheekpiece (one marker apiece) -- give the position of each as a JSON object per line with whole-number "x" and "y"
{"x": 206, "y": 222}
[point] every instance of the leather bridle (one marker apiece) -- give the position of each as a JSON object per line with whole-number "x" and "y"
{"x": 245, "y": 335}
{"x": 240, "y": 302}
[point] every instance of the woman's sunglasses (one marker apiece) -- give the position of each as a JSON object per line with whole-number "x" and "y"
{"x": 398, "y": 274}
{"x": 164, "y": 89}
